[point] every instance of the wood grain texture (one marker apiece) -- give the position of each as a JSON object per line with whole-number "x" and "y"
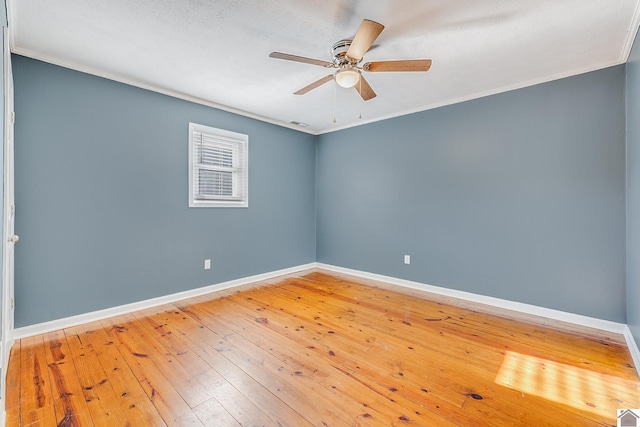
{"x": 314, "y": 85}
{"x": 367, "y": 33}
{"x": 364, "y": 89}
{"x": 12, "y": 403}
{"x": 320, "y": 349}
{"x": 398, "y": 66}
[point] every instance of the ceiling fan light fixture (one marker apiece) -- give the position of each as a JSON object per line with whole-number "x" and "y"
{"x": 347, "y": 78}
{"x": 347, "y": 54}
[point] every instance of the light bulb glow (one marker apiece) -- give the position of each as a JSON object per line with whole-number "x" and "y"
{"x": 347, "y": 78}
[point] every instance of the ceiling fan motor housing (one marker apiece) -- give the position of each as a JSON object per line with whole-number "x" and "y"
{"x": 339, "y": 53}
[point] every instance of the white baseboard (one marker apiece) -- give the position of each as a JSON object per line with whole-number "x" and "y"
{"x": 576, "y": 319}
{"x": 633, "y": 348}
{"x": 549, "y": 313}
{"x": 67, "y": 322}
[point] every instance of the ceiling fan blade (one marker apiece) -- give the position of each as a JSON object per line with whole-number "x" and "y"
{"x": 364, "y": 89}
{"x": 314, "y": 85}
{"x": 407, "y": 65}
{"x": 366, "y": 35}
{"x": 296, "y": 58}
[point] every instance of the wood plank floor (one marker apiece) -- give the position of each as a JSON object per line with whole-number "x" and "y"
{"x": 321, "y": 349}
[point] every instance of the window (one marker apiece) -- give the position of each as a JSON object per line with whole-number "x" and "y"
{"x": 217, "y": 167}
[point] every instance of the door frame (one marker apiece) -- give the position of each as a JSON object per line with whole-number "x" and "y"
{"x": 7, "y": 303}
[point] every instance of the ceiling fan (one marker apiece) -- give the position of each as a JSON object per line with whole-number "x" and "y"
{"x": 347, "y": 55}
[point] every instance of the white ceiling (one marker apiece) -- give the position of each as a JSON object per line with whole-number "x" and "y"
{"x": 216, "y": 51}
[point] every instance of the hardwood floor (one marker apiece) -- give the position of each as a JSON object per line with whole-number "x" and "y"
{"x": 320, "y": 349}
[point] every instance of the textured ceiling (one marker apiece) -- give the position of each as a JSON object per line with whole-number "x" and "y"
{"x": 216, "y": 52}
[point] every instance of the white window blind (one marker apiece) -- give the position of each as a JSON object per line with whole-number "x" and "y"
{"x": 217, "y": 167}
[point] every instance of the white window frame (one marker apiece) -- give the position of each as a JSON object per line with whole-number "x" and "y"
{"x": 238, "y": 144}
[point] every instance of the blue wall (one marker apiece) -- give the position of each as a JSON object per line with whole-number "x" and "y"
{"x": 101, "y": 193}
{"x": 633, "y": 191}
{"x": 519, "y": 196}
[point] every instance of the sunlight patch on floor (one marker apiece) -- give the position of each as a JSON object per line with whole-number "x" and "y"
{"x": 568, "y": 385}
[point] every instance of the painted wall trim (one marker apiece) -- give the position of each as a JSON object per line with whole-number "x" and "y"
{"x": 154, "y": 88}
{"x": 67, "y": 322}
{"x": 631, "y": 35}
{"x": 633, "y": 348}
{"x": 549, "y": 313}
{"x": 576, "y": 319}
{"x": 482, "y": 94}
{"x": 179, "y": 95}
{"x": 194, "y": 99}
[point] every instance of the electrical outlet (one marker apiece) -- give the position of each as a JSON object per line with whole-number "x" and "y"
{"x": 407, "y": 259}
{"x": 207, "y": 264}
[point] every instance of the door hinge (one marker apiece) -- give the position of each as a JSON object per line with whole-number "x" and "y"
{"x": 13, "y": 210}
{"x": 13, "y": 304}
{"x": 13, "y": 117}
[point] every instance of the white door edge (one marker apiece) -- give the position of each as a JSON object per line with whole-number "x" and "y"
{"x": 6, "y": 338}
